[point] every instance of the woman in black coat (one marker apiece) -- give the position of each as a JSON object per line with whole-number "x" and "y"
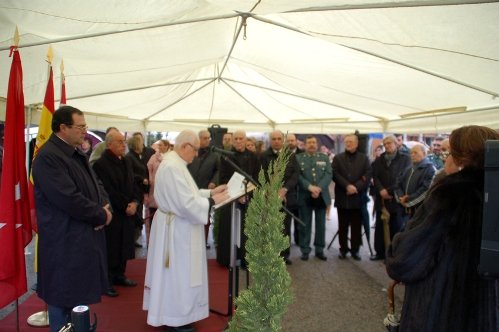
{"x": 438, "y": 253}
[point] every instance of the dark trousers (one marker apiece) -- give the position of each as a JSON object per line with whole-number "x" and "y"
{"x": 58, "y": 317}
{"x": 379, "y": 236}
{"x": 396, "y": 224}
{"x": 116, "y": 272}
{"x": 296, "y": 225}
{"x": 349, "y": 218}
{"x": 224, "y": 233}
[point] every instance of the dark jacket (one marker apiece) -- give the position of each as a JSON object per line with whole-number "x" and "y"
{"x": 385, "y": 177}
{"x": 204, "y": 168}
{"x": 437, "y": 256}
{"x": 140, "y": 172}
{"x": 72, "y": 267}
{"x": 249, "y": 163}
{"x": 291, "y": 174}
{"x": 415, "y": 182}
{"x": 247, "y": 160}
{"x": 118, "y": 179}
{"x": 350, "y": 168}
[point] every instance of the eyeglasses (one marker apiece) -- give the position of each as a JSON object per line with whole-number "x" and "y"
{"x": 81, "y": 127}
{"x": 444, "y": 155}
{"x": 193, "y": 147}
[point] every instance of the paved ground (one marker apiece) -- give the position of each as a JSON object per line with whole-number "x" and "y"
{"x": 336, "y": 295}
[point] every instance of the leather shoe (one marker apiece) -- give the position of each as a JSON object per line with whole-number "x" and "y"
{"x": 376, "y": 258}
{"x": 321, "y": 256}
{"x": 288, "y": 261}
{"x": 125, "y": 282}
{"x": 356, "y": 256}
{"x": 304, "y": 257}
{"x": 342, "y": 255}
{"x": 111, "y": 292}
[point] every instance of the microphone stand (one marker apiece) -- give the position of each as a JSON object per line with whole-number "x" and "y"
{"x": 250, "y": 179}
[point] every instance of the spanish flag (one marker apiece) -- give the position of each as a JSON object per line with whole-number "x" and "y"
{"x": 44, "y": 132}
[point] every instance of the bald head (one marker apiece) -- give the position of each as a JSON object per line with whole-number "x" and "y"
{"x": 291, "y": 141}
{"x": 115, "y": 142}
{"x": 187, "y": 145}
{"x": 276, "y": 140}
{"x": 204, "y": 138}
{"x": 186, "y": 136}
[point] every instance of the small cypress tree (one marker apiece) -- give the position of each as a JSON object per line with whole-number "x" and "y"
{"x": 262, "y": 305}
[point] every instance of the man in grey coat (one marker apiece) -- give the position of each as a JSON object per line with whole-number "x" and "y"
{"x": 71, "y": 214}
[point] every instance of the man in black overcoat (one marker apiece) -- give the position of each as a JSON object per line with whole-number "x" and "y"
{"x": 386, "y": 169}
{"x": 288, "y": 190}
{"x": 249, "y": 162}
{"x": 71, "y": 212}
{"x": 116, "y": 173}
{"x": 352, "y": 175}
{"x": 204, "y": 168}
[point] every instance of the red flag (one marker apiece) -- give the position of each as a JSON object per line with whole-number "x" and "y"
{"x": 44, "y": 132}
{"x": 15, "y": 224}
{"x": 63, "y": 89}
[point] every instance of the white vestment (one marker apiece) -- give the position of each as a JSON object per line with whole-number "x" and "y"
{"x": 176, "y": 281}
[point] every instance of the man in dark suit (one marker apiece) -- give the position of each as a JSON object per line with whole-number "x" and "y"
{"x": 352, "y": 175}
{"x": 292, "y": 145}
{"x": 386, "y": 169}
{"x": 71, "y": 211}
{"x": 288, "y": 191}
{"x": 204, "y": 169}
{"x": 116, "y": 173}
{"x": 248, "y": 162}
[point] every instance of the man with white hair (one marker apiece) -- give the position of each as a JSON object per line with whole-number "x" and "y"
{"x": 287, "y": 193}
{"x": 414, "y": 183}
{"x": 176, "y": 282}
{"x": 248, "y": 162}
{"x": 386, "y": 169}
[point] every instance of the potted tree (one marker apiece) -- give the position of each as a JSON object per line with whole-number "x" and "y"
{"x": 262, "y": 305}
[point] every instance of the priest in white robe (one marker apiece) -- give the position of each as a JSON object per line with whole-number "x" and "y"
{"x": 176, "y": 281}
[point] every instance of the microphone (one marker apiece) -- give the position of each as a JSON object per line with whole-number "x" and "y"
{"x": 221, "y": 151}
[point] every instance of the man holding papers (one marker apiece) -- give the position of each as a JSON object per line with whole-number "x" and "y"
{"x": 176, "y": 282}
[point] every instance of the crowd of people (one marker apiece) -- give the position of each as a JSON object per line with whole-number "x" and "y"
{"x": 92, "y": 203}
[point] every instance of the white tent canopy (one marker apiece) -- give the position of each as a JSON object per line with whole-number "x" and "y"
{"x": 301, "y": 66}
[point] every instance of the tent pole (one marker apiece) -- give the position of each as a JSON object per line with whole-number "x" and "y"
{"x": 243, "y": 24}
{"x": 387, "y": 5}
{"x": 100, "y": 34}
{"x": 140, "y": 88}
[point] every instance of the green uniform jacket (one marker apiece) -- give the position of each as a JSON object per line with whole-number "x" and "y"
{"x": 315, "y": 169}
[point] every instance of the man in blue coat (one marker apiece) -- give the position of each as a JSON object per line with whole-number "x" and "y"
{"x": 71, "y": 214}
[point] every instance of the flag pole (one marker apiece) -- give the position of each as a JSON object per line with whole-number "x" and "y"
{"x": 15, "y": 45}
{"x": 41, "y": 318}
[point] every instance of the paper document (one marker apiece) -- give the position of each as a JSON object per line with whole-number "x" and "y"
{"x": 236, "y": 188}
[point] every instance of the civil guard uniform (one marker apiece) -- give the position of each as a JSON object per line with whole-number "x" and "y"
{"x": 315, "y": 169}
